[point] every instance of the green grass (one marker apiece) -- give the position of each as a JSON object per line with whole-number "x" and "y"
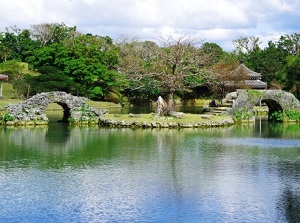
{"x": 188, "y": 118}
{"x": 102, "y": 104}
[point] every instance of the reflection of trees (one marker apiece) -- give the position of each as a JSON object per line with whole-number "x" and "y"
{"x": 289, "y": 201}
{"x": 45, "y": 145}
{"x": 43, "y": 139}
{"x": 60, "y": 145}
{"x": 58, "y": 133}
{"x": 168, "y": 141}
{"x": 277, "y": 129}
{"x": 290, "y": 204}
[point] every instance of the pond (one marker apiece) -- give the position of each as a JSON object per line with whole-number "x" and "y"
{"x": 59, "y": 173}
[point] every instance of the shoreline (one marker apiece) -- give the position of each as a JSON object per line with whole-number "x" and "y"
{"x": 151, "y": 121}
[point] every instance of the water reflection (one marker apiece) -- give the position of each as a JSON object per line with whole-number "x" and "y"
{"x": 276, "y": 129}
{"x": 289, "y": 205}
{"x": 60, "y": 173}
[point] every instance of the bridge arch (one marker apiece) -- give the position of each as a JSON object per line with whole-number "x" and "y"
{"x": 32, "y": 110}
{"x": 276, "y": 100}
{"x": 274, "y": 106}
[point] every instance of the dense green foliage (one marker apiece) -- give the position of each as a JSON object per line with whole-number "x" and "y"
{"x": 277, "y": 62}
{"x": 288, "y": 115}
{"x": 50, "y": 57}
{"x": 50, "y": 79}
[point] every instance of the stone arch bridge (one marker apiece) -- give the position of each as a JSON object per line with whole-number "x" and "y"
{"x": 32, "y": 110}
{"x": 276, "y": 100}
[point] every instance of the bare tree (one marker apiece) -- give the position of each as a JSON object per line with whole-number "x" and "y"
{"x": 183, "y": 64}
{"x": 137, "y": 59}
{"x": 47, "y": 33}
{"x": 247, "y": 44}
{"x": 291, "y": 43}
{"x": 176, "y": 64}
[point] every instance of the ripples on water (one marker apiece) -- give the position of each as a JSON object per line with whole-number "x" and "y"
{"x": 261, "y": 142}
{"x": 90, "y": 174}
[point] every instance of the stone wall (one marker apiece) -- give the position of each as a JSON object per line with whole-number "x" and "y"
{"x": 32, "y": 111}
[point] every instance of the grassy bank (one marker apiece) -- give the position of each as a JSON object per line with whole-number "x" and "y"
{"x": 151, "y": 120}
{"x": 5, "y": 101}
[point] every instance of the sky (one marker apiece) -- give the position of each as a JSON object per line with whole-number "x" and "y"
{"x": 214, "y": 21}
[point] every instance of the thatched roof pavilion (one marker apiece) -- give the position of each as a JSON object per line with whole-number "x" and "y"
{"x": 252, "y": 78}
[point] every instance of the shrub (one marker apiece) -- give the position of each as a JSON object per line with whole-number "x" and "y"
{"x": 288, "y": 115}
{"x": 7, "y": 117}
{"x": 241, "y": 115}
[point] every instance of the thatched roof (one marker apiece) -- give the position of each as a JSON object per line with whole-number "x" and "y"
{"x": 243, "y": 70}
{"x": 3, "y": 77}
{"x": 252, "y": 78}
{"x": 257, "y": 84}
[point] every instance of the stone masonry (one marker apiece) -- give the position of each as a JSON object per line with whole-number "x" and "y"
{"x": 276, "y": 100}
{"x": 32, "y": 110}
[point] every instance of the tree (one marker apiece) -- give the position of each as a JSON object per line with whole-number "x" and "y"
{"x": 137, "y": 60}
{"x": 290, "y": 76}
{"x": 182, "y": 64}
{"x": 222, "y": 73}
{"x": 92, "y": 62}
{"x": 291, "y": 43}
{"x": 268, "y": 62}
{"x": 246, "y": 45}
{"x": 52, "y": 55}
{"x": 176, "y": 65}
{"x": 215, "y": 51}
{"x": 5, "y": 48}
{"x": 9, "y": 44}
{"x": 26, "y": 45}
{"x": 50, "y": 79}
{"x": 16, "y": 44}
{"x": 16, "y": 72}
{"x": 48, "y": 33}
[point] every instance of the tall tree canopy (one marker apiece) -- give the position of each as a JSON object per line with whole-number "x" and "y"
{"x": 90, "y": 61}
{"x": 16, "y": 44}
{"x": 143, "y": 70}
{"x": 50, "y": 79}
{"x": 48, "y": 33}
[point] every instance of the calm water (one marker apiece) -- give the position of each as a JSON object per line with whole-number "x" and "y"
{"x": 145, "y": 109}
{"x": 67, "y": 174}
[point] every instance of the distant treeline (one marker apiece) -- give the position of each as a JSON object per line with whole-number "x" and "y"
{"x": 56, "y": 57}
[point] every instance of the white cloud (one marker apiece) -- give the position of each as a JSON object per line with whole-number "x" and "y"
{"x": 218, "y": 21}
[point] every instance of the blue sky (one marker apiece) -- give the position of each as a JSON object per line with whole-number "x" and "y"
{"x": 217, "y": 21}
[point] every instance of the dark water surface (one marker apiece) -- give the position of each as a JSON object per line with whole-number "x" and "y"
{"x": 146, "y": 109}
{"x": 59, "y": 173}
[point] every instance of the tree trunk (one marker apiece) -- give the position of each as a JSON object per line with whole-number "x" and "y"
{"x": 171, "y": 103}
